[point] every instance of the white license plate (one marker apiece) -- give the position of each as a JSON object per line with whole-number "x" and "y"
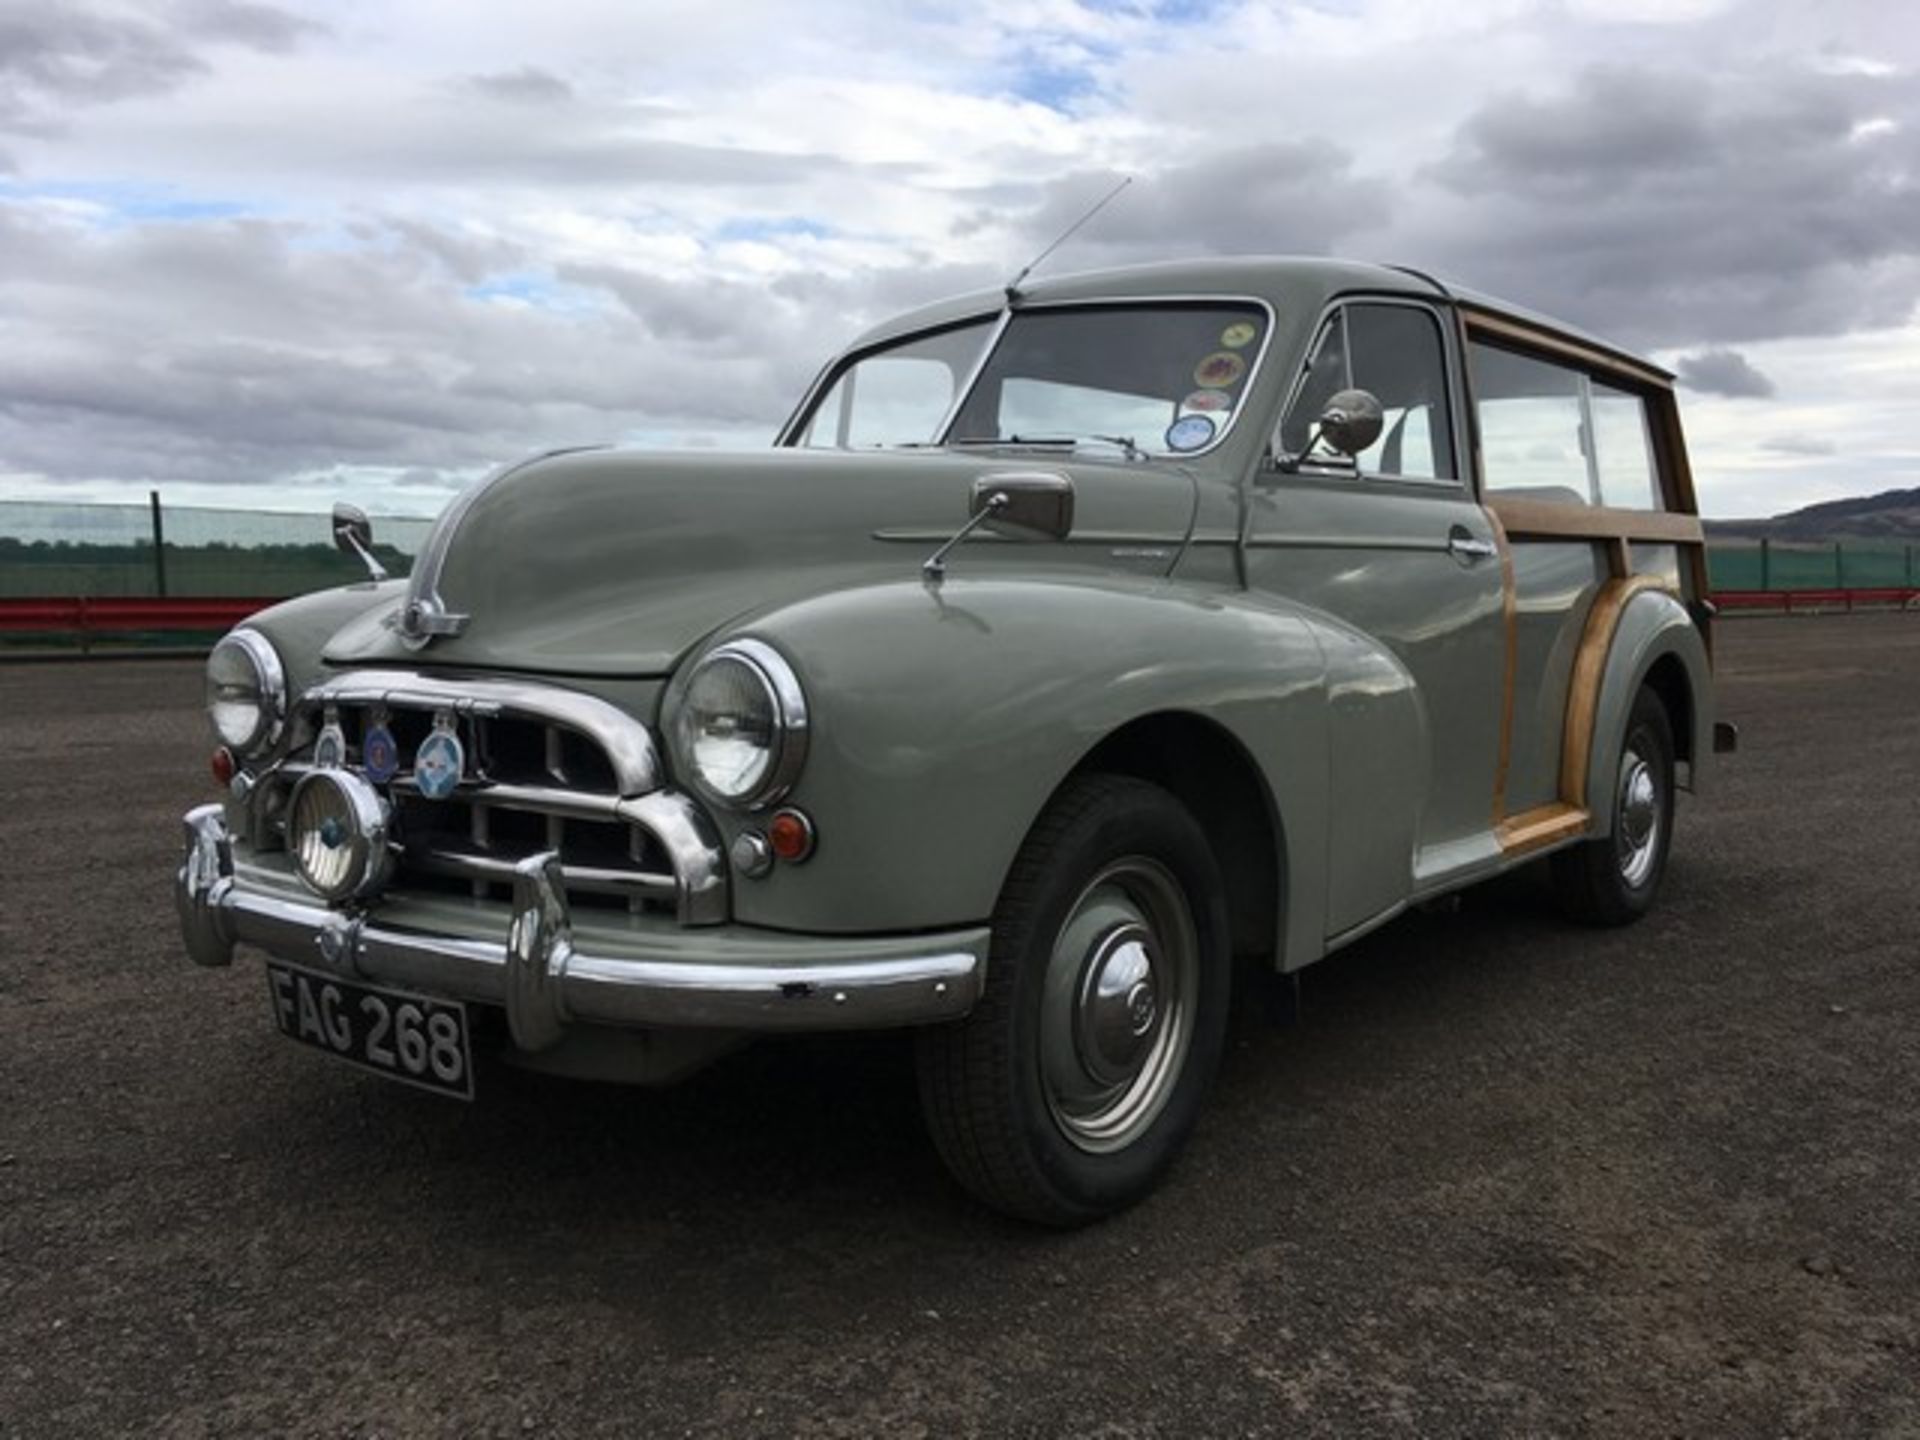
{"x": 412, "y": 1038}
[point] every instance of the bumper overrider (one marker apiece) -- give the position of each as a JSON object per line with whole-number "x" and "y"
{"x": 724, "y": 977}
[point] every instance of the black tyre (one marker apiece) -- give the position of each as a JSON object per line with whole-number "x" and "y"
{"x": 1614, "y": 880}
{"x": 1069, "y": 1089}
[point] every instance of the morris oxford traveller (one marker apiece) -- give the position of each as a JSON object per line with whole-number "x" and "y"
{"x": 1075, "y": 647}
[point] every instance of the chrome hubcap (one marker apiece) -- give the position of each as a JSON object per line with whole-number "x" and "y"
{"x": 1637, "y": 825}
{"x": 1117, "y": 1005}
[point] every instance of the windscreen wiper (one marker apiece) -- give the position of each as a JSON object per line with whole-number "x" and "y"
{"x": 1061, "y": 442}
{"x": 1058, "y": 441}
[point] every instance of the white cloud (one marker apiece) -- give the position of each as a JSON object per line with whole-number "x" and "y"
{"x": 272, "y": 248}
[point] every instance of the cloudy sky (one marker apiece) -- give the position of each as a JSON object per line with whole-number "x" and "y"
{"x": 276, "y": 253}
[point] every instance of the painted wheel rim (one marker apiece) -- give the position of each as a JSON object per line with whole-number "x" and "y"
{"x": 1637, "y": 819}
{"x": 1117, "y": 1008}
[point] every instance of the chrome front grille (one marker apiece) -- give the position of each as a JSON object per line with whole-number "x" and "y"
{"x": 547, "y": 770}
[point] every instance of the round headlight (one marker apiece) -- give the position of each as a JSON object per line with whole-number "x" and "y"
{"x": 742, "y": 724}
{"x": 337, "y": 835}
{"x": 246, "y": 692}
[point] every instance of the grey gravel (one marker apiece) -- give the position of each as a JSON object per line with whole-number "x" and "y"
{"x": 1508, "y": 1177}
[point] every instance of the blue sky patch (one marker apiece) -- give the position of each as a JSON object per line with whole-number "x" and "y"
{"x": 129, "y": 203}
{"x": 749, "y": 228}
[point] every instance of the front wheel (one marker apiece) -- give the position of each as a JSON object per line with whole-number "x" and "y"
{"x": 1068, "y": 1091}
{"x": 1614, "y": 880}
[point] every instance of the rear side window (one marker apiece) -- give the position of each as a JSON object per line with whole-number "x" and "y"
{"x": 1551, "y": 432}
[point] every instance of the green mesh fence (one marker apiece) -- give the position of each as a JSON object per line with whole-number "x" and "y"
{"x": 59, "y": 550}
{"x": 1778, "y": 565}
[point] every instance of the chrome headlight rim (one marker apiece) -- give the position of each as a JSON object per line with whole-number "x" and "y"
{"x": 370, "y": 855}
{"x": 790, "y": 724}
{"x": 270, "y": 680}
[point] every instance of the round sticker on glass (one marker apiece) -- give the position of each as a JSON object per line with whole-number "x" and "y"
{"x": 1191, "y": 433}
{"x": 1208, "y": 402}
{"x": 1239, "y": 335}
{"x": 1221, "y": 368}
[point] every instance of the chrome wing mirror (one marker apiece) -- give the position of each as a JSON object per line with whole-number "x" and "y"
{"x": 353, "y": 535}
{"x": 1037, "y": 505}
{"x": 1351, "y": 422}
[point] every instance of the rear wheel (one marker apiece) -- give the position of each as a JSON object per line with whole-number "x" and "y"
{"x": 1615, "y": 879}
{"x": 1068, "y": 1091}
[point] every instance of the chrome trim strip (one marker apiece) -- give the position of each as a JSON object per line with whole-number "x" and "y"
{"x": 628, "y": 743}
{"x": 471, "y": 864}
{"x": 537, "y": 973}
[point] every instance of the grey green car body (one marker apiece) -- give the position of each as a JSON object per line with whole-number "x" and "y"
{"x": 1322, "y": 678}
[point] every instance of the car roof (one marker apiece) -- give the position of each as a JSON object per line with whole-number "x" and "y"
{"x": 1283, "y": 281}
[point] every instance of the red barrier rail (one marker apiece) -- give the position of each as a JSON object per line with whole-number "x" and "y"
{"x": 1899, "y": 597}
{"x": 88, "y": 616}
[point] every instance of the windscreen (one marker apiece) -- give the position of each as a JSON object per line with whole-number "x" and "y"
{"x": 1149, "y": 377}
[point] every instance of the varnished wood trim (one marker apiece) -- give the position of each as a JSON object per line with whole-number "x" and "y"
{"x": 1541, "y": 826}
{"x": 1589, "y": 668}
{"x": 1484, "y": 324}
{"x": 1510, "y": 619}
{"x": 1548, "y": 519}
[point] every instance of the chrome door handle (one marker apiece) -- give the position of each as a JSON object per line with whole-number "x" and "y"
{"x": 1463, "y": 546}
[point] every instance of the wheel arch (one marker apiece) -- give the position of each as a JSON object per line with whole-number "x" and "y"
{"x": 1655, "y": 646}
{"x": 1207, "y": 769}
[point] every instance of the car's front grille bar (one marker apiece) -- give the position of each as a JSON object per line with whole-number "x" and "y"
{"x": 626, "y": 742}
{"x": 548, "y": 770}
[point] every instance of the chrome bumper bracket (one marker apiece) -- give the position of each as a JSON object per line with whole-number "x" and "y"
{"x": 539, "y": 944}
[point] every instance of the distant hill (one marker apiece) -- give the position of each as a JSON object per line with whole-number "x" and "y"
{"x": 1890, "y": 515}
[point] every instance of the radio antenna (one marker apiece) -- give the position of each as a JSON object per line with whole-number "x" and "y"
{"x": 1013, "y": 285}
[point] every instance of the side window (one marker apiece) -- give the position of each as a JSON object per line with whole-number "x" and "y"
{"x": 1533, "y": 436}
{"x": 1326, "y": 374}
{"x": 1396, "y": 352}
{"x": 1553, "y": 433}
{"x": 1623, "y": 450}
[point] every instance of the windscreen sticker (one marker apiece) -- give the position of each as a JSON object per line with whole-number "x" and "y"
{"x": 1220, "y": 369}
{"x": 1191, "y": 433}
{"x": 1239, "y": 335}
{"x": 1208, "y": 402}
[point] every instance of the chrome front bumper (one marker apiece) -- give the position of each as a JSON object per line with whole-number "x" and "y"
{"x": 750, "y": 980}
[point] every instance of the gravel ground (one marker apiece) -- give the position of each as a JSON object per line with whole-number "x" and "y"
{"x": 1506, "y": 1176}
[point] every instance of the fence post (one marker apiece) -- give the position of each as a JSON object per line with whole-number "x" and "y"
{"x": 1766, "y": 564}
{"x": 159, "y": 545}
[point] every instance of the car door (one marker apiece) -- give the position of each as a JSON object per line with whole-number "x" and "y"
{"x": 1395, "y": 548}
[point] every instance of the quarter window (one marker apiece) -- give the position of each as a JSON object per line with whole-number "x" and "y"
{"x": 1622, "y": 449}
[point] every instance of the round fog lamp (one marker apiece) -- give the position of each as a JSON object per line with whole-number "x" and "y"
{"x": 337, "y": 835}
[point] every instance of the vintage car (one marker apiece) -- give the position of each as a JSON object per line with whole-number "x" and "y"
{"x": 1075, "y": 647}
